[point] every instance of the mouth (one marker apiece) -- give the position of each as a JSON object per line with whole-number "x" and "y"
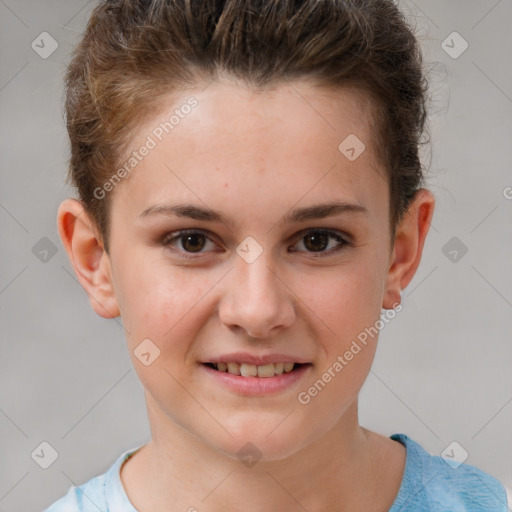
{"x": 251, "y": 370}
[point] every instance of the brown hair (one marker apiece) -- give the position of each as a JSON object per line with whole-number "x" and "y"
{"x": 135, "y": 52}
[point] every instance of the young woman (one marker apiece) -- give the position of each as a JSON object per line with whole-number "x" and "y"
{"x": 251, "y": 203}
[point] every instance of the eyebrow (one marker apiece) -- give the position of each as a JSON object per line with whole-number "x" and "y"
{"x": 317, "y": 211}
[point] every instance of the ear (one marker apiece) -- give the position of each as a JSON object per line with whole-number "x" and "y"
{"x": 408, "y": 246}
{"x": 90, "y": 261}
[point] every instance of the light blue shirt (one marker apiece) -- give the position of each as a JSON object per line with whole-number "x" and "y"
{"x": 429, "y": 484}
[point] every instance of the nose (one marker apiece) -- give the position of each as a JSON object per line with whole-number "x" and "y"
{"x": 256, "y": 299}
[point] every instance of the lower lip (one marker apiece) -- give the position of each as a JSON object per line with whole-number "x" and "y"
{"x": 257, "y": 386}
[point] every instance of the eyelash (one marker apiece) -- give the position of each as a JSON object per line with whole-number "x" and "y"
{"x": 169, "y": 238}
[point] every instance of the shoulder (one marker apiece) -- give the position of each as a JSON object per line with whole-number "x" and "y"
{"x": 432, "y": 483}
{"x": 87, "y": 497}
{"x": 104, "y": 492}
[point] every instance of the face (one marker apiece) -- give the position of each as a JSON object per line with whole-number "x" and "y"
{"x": 217, "y": 256}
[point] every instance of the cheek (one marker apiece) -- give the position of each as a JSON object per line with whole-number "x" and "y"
{"x": 164, "y": 303}
{"x": 347, "y": 306}
{"x": 346, "y": 300}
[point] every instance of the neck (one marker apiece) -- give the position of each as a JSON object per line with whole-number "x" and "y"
{"x": 342, "y": 464}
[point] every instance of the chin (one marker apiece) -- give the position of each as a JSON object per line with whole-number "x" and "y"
{"x": 256, "y": 440}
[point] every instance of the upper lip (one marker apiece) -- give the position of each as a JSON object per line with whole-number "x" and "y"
{"x": 258, "y": 360}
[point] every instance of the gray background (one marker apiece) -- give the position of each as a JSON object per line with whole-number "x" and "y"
{"x": 442, "y": 370}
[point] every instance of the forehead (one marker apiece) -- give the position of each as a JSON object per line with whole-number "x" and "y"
{"x": 298, "y": 108}
{"x": 237, "y": 139}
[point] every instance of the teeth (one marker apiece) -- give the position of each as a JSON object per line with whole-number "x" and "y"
{"x": 251, "y": 370}
{"x": 233, "y": 368}
{"x": 278, "y": 368}
{"x": 267, "y": 370}
{"x": 288, "y": 367}
{"x": 248, "y": 370}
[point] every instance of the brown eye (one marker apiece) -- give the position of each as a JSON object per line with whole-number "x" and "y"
{"x": 193, "y": 242}
{"x": 318, "y": 240}
{"x": 187, "y": 241}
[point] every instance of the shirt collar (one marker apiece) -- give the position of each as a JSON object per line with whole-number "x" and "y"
{"x": 115, "y": 494}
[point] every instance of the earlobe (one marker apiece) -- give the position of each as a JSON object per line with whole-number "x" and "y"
{"x": 408, "y": 247}
{"x": 90, "y": 261}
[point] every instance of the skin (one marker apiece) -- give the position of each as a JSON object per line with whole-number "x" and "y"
{"x": 289, "y": 300}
